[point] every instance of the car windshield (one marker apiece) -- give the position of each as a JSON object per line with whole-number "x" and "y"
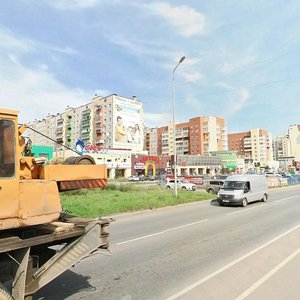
{"x": 183, "y": 181}
{"x": 234, "y": 185}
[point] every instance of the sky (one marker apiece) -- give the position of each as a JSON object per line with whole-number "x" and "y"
{"x": 242, "y": 58}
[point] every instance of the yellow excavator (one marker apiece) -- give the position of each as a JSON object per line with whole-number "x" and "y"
{"x": 32, "y": 220}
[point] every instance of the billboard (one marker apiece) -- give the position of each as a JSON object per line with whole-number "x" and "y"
{"x": 127, "y": 123}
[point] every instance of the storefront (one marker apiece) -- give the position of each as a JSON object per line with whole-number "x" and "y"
{"x": 150, "y": 165}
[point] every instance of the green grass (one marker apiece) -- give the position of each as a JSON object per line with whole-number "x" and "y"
{"x": 124, "y": 198}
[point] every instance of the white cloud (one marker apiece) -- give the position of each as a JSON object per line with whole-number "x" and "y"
{"x": 193, "y": 102}
{"x": 65, "y": 50}
{"x": 33, "y": 90}
{"x": 230, "y": 67}
{"x": 236, "y": 103}
{"x": 188, "y": 68}
{"x": 141, "y": 49}
{"x": 191, "y": 75}
{"x": 186, "y": 19}
{"x": 241, "y": 102}
{"x": 73, "y": 4}
{"x": 11, "y": 43}
{"x": 156, "y": 120}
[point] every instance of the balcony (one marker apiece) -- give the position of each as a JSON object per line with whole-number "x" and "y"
{"x": 87, "y": 130}
{"x": 100, "y": 141}
{"x": 182, "y": 134}
{"x": 85, "y": 126}
{"x": 87, "y": 120}
{"x": 60, "y": 122}
{"x": 86, "y": 112}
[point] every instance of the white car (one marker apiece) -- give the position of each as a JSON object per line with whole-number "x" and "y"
{"x": 272, "y": 174}
{"x": 181, "y": 184}
{"x": 133, "y": 178}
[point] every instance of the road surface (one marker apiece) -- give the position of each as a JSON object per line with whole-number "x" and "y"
{"x": 195, "y": 251}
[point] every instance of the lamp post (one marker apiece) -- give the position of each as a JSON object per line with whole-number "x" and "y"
{"x": 174, "y": 128}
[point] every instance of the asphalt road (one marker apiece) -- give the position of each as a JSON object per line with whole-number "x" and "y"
{"x": 195, "y": 251}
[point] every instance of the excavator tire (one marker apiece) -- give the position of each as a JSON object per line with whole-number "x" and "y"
{"x": 4, "y": 294}
{"x": 80, "y": 160}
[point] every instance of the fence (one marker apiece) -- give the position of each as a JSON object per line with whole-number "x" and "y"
{"x": 274, "y": 181}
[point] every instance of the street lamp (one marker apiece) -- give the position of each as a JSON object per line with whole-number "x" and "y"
{"x": 174, "y": 128}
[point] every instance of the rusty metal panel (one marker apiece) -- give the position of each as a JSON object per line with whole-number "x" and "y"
{"x": 8, "y": 223}
{"x": 73, "y": 172}
{"x": 39, "y": 202}
{"x": 82, "y": 184}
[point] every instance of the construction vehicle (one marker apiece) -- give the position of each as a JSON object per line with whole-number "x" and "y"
{"x": 38, "y": 241}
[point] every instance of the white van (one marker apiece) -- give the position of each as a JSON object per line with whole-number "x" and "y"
{"x": 242, "y": 189}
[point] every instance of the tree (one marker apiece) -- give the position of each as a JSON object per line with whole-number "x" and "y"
{"x": 118, "y": 172}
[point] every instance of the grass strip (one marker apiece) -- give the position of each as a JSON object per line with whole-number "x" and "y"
{"x": 125, "y": 198}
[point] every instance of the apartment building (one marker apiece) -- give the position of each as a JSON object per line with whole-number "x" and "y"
{"x": 105, "y": 122}
{"x": 119, "y": 122}
{"x": 199, "y": 135}
{"x": 255, "y": 144}
{"x": 150, "y": 140}
{"x": 294, "y": 137}
{"x": 45, "y": 128}
{"x": 281, "y": 147}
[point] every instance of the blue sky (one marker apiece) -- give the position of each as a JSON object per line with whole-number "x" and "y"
{"x": 242, "y": 58}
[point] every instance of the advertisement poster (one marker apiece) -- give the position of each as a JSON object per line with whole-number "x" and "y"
{"x": 127, "y": 123}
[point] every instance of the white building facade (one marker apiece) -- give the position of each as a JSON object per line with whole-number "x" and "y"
{"x": 294, "y": 137}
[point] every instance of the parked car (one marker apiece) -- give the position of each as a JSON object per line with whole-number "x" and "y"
{"x": 213, "y": 186}
{"x": 272, "y": 174}
{"x": 149, "y": 177}
{"x": 181, "y": 184}
{"x": 133, "y": 178}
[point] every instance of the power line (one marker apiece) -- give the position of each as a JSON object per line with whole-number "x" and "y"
{"x": 34, "y": 130}
{"x": 246, "y": 87}
{"x": 253, "y": 64}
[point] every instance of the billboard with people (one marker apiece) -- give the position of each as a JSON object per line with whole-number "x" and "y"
{"x": 127, "y": 123}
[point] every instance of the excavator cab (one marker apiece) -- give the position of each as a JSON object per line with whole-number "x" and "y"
{"x": 7, "y": 149}
{"x": 9, "y": 181}
{"x": 19, "y": 205}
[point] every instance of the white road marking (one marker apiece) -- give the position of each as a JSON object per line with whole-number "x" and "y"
{"x": 161, "y": 232}
{"x": 247, "y": 209}
{"x": 210, "y": 276}
{"x": 267, "y": 276}
{"x": 242, "y": 210}
{"x": 285, "y": 198}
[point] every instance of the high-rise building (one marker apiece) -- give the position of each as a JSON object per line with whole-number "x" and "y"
{"x": 106, "y": 122}
{"x": 255, "y": 144}
{"x": 294, "y": 137}
{"x": 118, "y": 122}
{"x": 150, "y": 140}
{"x": 51, "y": 126}
{"x": 199, "y": 135}
{"x": 281, "y": 147}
